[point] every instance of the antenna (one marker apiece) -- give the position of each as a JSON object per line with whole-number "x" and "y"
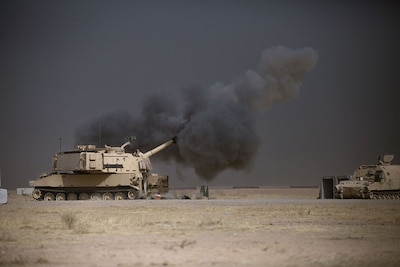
{"x": 131, "y": 139}
{"x": 101, "y": 141}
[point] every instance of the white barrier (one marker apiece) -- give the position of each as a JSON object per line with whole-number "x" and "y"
{"x": 3, "y": 196}
{"x": 25, "y": 191}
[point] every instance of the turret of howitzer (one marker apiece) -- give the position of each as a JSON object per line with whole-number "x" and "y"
{"x": 107, "y": 173}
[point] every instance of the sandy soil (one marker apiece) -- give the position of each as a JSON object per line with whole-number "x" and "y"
{"x": 235, "y": 227}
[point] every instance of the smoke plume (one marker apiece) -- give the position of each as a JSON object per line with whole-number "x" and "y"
{"x": 215, "y": 125}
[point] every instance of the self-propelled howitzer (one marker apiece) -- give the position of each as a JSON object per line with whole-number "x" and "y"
{"x": 378, "y": 181}
{"x": 104, "y": 173}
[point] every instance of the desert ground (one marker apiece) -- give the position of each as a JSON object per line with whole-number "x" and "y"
{"x": 234, "y": 227}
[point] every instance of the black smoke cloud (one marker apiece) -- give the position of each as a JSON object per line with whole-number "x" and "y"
{"x": 215, "y": 125}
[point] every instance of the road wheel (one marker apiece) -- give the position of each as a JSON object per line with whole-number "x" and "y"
{"x": 83, "y": 196}
{"x": 95, "y": 196}
{"x": 120, "y": 196}
{"x": 133, "y": 194}
{"x": 72, "y": 196}
{"x": 60, "y": 197}
{"x": 49, "y": 197}
{"x": 107, "y": 196}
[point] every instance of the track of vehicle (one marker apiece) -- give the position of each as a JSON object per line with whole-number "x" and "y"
{"x": 62, "y": 194}
{"x": 385, "y": 195}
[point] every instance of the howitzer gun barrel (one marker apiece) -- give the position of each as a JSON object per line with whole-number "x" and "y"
{"x": 160, "y": 147}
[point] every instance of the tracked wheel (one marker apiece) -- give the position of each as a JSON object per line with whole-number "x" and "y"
{"x": 83, "y": 196}
{"x": 36, "y": 194}
{"x": 120, "y": 196}
{"x": 133, "y": 194}
{"x": 61, "y": 197}
{"x": 72, "y": 196}
{"x": 49, "y": 196}
{"x": 107, "y": 196}
{"x": 95, "y": 196}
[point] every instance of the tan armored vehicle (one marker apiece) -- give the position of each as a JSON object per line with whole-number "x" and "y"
{"x": 380, "y": 181}
{"x": 105, "y": 173}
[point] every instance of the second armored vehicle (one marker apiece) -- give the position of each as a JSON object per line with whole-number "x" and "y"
{"x": 105, "y": 173}
{"x": 379, "y": 181}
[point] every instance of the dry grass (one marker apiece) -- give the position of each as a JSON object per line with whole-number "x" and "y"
{"x": 69, "y": 219}
{"x": 222, "y": 231}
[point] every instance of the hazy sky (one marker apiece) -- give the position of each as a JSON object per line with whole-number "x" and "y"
{"x": 65, "y": 63}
